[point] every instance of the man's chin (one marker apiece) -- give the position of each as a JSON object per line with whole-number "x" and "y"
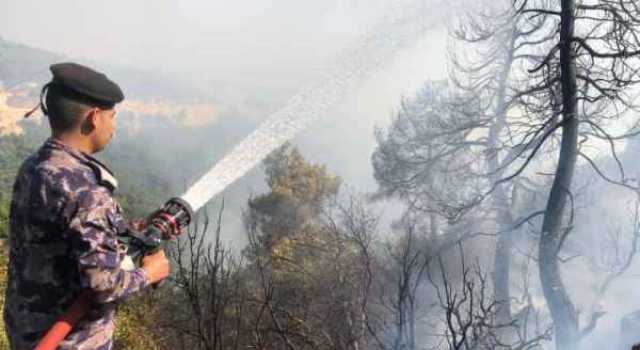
{"x": 105, "y": 145}
{"x": 101, "y": 148}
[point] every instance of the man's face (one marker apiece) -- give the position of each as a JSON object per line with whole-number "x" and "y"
{"x": 105, "y": 127}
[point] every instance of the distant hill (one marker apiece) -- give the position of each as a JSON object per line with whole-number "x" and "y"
{"x": 21, "y": 64}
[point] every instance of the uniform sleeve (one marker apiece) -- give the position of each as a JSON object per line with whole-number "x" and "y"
{"x": 96, "y": 248}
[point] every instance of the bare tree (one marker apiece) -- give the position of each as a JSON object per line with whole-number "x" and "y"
{"x": 616, "y": 255}
{"x": 583, "y": 79}
{"x": 471, "y": 313}
{"x": 399, "y": 287}
{"x": 497, "y": 40}
{"x": 453, "y": 141}
{"x": 358, "y": 231}
{"x": 208, "y": 280}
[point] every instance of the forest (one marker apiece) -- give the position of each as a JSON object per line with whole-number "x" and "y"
{"x": 517, "y": 182}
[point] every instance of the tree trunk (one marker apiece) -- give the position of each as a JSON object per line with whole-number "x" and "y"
{"x": 502, "y": 262}
{"x": 412, "y": 326}
{"x": 504, "y": 240}
{"x": 563, "y": 312}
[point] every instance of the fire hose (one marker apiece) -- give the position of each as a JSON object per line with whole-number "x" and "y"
{"x": 163, "y": 225}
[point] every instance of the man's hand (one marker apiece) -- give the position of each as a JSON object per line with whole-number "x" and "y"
{"x": 138, "y": 224}
{"x": 156, "y": 266}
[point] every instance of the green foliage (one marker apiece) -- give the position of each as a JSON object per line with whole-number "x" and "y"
{"x": 299, "y": 192}
{"x": 4, "y": 219}
{"x": 4, "y": 261}
{"x": 13, "y": 150}
{"x": 135, "y": 321}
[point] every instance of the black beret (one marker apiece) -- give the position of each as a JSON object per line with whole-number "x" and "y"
{"x": 86, "y": 82}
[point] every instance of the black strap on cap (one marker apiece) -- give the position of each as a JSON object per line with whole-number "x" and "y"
{"x": 41, "y": 104}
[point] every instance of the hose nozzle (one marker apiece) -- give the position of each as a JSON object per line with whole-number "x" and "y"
{"x": 172, "y": 218}
{"x": 165, "y": 224}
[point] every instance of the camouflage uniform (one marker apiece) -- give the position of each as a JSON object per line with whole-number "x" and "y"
{"x": 64, "y": 224}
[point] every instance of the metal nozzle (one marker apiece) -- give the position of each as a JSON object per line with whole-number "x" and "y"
{"x": 171, "y": 219}
{"x": 165, "y": 224}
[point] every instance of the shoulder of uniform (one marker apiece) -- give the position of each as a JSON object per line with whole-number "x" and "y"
{"x": 68, "y": 172}
{"x": 75, "y": 172}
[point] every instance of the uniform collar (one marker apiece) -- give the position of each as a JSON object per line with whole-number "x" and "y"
{"x": 76, "y": 153}
{"x": 103, "y": 173}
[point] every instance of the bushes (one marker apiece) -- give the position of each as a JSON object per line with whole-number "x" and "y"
{"x": 4, "y": 260}
{"x": 4, "y": 218}
{"x": 134, "y": 323}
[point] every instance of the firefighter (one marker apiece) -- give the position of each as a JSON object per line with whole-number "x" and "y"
{"x": 65, "y": 221}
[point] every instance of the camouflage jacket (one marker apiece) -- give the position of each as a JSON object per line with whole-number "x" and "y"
{"x": 64, "y": 224}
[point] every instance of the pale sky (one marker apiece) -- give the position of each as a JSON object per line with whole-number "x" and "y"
{"x": 220, "y": 38}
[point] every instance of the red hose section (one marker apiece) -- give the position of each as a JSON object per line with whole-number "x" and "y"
{"x": 64, "y": 324}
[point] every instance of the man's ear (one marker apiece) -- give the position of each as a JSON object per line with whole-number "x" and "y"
{"x": 89, "y": 121}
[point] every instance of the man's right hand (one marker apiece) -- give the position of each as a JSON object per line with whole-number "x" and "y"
{"x": 156, "y": 266}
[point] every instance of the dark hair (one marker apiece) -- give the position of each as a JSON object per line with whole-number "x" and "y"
{"x": 64, "y": 107}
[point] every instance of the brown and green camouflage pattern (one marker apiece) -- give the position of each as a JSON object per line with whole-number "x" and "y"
{"x": 64, "y": 223}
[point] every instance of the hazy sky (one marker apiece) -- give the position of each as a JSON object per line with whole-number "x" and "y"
{"x": 220, "y": 38}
